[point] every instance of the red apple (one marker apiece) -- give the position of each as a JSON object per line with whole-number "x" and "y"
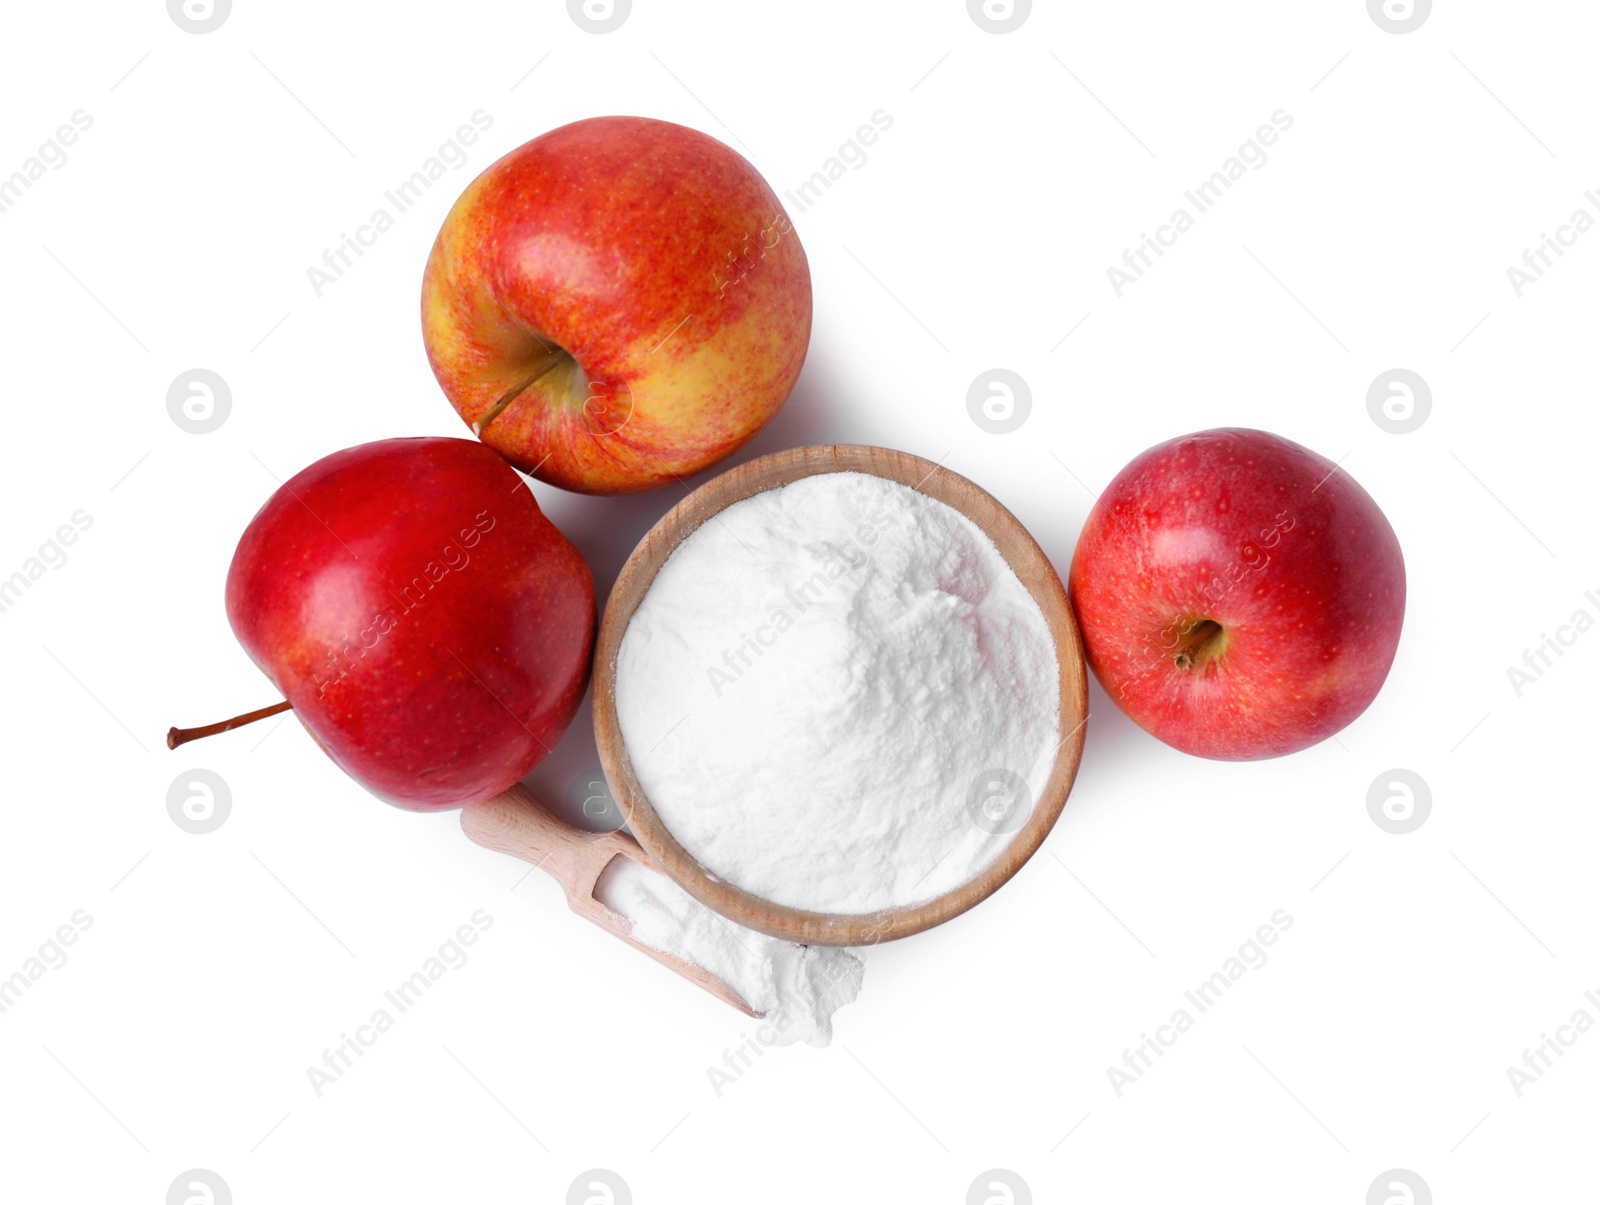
{"x": 1240, "y": 597}
{"x": 617, "y": 304}
{"x": 431, "y": 628}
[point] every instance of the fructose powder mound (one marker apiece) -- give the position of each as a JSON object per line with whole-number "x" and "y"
{"x": 823, "y": 684}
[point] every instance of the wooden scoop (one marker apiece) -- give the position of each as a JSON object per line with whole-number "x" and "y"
{"x": 515, "y": 823}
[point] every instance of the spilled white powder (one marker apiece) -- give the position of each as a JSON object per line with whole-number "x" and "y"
{"x": 795, "y": 988}
{"x": 825, "y": 688}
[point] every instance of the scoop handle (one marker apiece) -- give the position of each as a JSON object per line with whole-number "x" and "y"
{"x": 515, "y": 822}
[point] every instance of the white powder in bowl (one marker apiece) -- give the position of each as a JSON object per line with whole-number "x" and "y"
{"x": 838, "y": 696}
{"x": 795, "y": 988}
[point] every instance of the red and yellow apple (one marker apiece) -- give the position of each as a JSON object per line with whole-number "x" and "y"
{"x": 430, "y": 627}
{"x": 617, "y": 304}
{"x": 1240, "y": 596}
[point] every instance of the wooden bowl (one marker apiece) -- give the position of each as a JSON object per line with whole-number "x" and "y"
{"x": 1027, "y": 561}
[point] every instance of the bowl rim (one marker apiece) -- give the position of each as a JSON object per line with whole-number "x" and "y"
{"x": 1026, "y": 559}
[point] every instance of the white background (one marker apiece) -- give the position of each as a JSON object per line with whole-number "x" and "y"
{"x": 976, "y": 235}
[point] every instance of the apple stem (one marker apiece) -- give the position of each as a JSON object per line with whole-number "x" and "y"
{"x": 555, "y": 356}
{"x": 182, "y": 736}
{"x": 1205, "y": 636}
